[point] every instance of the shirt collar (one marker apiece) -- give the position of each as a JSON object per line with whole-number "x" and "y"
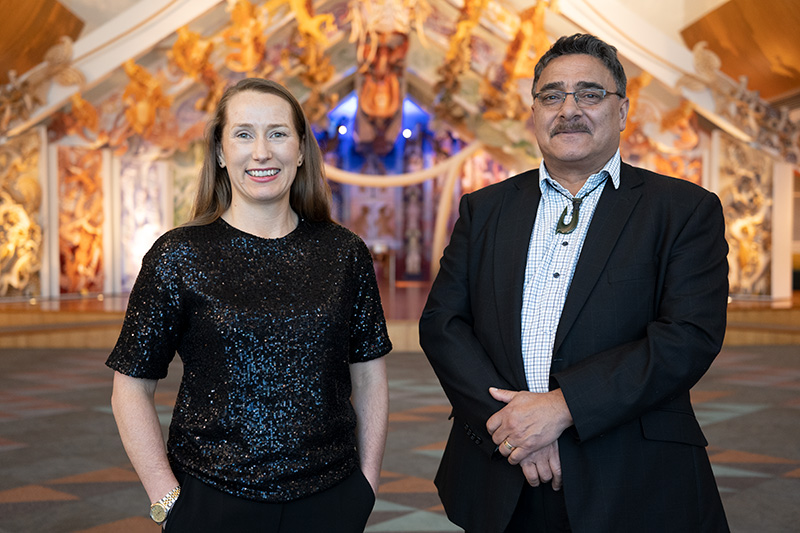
{"x": 611, "y": 168}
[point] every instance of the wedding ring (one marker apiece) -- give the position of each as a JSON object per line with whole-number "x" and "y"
{"x": 508, "y": 446}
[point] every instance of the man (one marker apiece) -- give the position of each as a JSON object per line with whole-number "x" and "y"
{"x": 575, "y": 307}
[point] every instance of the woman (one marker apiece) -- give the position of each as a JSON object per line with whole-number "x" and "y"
{"x": 275, "y": 313}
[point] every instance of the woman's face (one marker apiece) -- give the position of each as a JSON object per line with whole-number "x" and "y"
{"x": 260, "y": 148}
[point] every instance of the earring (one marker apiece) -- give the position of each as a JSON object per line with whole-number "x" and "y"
{"x": 221, "y": 163}
{"x": 300, "y": 162}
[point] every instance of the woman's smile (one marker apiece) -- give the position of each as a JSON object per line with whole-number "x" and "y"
{"x": 262, "y": 175}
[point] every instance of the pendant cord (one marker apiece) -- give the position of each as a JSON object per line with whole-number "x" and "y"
{"x": 576, "y": 209}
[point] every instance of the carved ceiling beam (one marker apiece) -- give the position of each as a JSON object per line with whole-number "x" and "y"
{"x": 131, "y": 34}
{"x": 727, "y": 104}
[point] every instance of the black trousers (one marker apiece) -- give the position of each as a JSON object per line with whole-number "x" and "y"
{"x": 343, "y": 508}
{"x": 540, "y": 510}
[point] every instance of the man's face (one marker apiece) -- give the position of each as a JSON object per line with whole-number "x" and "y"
{"x": 574, "y": 139}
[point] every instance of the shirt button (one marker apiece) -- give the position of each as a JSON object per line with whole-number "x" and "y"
{"x": 556, "y": 274}
{"x": 565, "y": 243}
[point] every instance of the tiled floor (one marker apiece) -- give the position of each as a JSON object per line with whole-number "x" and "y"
{"x": 62, "y": 467}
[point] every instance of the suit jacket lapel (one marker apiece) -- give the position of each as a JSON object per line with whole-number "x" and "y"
{"x": 515, "y": 224}
{"x": 612, "y": 213}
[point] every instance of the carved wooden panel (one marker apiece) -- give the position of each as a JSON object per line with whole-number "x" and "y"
{"x": 745, "y": 188}
{"x": 20, "y": 205}
{"x": 80, "y": 220}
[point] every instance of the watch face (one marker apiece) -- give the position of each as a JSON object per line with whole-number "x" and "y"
{"x": 158, "y": 512}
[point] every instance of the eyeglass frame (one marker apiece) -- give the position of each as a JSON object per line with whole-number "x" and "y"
{"x": 564, "y": 95}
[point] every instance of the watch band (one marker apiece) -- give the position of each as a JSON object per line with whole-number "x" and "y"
{"x": 160, "y": 509}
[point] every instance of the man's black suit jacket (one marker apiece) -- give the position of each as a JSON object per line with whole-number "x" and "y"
{"x": 643, "y": 320}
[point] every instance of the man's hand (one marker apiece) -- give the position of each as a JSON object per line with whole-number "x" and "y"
{"x": 528, "y": 423}
{"x": 543, "y": 466}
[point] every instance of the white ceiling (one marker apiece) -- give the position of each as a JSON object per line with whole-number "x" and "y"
{"x": 673, "y": 16}
{"x": 95, "y": 13}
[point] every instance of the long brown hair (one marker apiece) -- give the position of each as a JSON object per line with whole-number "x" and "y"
{"x": 309, "y": 195}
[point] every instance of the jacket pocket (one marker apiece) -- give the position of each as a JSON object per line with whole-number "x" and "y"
{"x": 672, "y": 426}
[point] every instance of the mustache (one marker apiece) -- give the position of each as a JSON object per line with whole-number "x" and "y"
{"x": 563, "y": 127}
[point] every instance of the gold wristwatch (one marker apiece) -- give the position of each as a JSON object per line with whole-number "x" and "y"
{"x": 160, "y": 510}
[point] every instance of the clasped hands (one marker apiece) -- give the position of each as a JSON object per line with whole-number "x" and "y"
{"x": 526, "y": 431}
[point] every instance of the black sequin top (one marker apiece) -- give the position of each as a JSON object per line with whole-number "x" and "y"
{"x": 266, "y": 330}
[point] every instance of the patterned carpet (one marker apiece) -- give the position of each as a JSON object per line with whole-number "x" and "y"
{"x": 63, "y": 469}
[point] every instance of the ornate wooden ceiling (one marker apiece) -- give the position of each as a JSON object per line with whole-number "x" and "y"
{"x": 27, "y": 33}
{"x": 469, "y": 69}
{"x": 755, "y": 39}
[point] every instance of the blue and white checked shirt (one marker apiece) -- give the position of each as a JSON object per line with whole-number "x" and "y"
{"x": 551, "y": 264}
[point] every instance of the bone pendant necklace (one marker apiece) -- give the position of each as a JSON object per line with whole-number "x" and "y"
{"x": 563, "y": 228}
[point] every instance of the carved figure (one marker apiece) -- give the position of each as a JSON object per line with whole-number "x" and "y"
{"x": 192, "y": 55}
{"x": 143, "y": 97}
{"x": 246, "y": 35}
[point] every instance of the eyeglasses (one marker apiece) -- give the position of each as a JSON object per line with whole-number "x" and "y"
{"x": 583, "y": 97}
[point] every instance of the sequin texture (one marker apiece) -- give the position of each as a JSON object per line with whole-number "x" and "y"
{"x": 266, "y": 330}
